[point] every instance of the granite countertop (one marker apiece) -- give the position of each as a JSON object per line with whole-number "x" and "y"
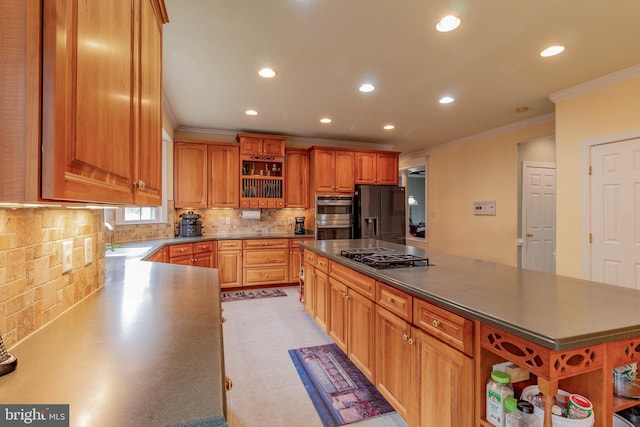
{"x": 144, "y": 350}
{"x": 557, "y": 312}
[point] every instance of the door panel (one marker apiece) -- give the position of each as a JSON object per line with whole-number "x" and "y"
{"x": 615, "y": 213}
{"x": 539, "y": 216}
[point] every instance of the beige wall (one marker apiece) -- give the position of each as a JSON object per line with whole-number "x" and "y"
{"x": 609, "y": 110}
{"x": 483, "y": 169}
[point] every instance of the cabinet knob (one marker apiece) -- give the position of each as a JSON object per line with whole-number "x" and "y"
{"x": 228, "y": 384}
{"x": 435, "y": 323}
{"x": 389, "y": 299}
{"x": 405, "y": 337}
{"x": 140, "y": 184}
{"x": 529, "y": 234}
{"x": 411, "y": 341}
{"x": 223, "y": 320}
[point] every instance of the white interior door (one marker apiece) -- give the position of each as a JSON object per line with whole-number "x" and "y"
{"x": 539, "y": 216}
{"x": 615, "y": 213}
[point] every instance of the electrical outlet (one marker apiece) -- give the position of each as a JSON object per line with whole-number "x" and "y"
{"x": 67, "y": 256}
{"x": 227, "y": 221}
{"x": 88, "y": 251}
{"x": 484, "y": 208}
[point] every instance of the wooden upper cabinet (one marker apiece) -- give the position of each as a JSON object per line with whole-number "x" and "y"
{"x": 223, "y": 176}
{"x": 205, "y": 175}
{"x": 261, "y": 145}
{"x": 332, "y": 171}
{"x": 190, "y": 175}
{"x": 296, "y": 184}
{"x": 376, "y": 168}
{"x": 148, "y": 156}
{"x": 101, "y": 112}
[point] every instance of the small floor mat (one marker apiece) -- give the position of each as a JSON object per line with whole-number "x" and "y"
{"x": 255, "y": 294}
{"x": 339, "y": 391}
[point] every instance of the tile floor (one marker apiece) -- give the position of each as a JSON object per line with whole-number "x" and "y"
{"x": 267, "y": 390}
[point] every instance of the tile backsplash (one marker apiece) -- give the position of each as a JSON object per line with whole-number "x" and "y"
{"x": 214, "y": 221}
{"x": 33, "y": 289}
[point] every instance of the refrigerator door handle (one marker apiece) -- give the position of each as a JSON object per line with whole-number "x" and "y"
{"x": 372, "y": 226}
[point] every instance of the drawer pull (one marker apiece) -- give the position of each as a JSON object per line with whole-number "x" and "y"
{"x": 391, "y": 300}
{"x": 405, "y": 337}
{"x": 228, "y": 384}
{"x": 435, "y": 323}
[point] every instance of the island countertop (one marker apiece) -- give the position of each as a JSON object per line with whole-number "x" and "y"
{"x": 144, "y": 350}
{"x": 557, "y": 312}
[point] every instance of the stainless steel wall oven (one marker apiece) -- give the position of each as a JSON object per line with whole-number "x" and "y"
{"x": 334, "y": 217}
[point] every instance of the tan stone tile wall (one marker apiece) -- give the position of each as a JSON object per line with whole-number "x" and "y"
{"x": 33, "y": 290}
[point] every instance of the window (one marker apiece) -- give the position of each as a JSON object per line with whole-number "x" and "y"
{"x": 147, "y": 215}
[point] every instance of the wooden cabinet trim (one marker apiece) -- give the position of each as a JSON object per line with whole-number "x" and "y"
{"x": 226, "y": 245}
{"x": 363, "y": 284}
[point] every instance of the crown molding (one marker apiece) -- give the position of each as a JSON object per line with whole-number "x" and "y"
{"x": 297, "y": 140}
{"x": 168, "y": 110}
{"x": 496, "y": 131}
{"x": 600, "y": 82}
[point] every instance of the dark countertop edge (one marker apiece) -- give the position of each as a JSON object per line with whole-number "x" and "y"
{"x": 558, "y": 344}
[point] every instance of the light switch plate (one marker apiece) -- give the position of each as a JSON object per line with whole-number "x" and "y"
{"x": 484, "y": 208}
{"x": 67, "y": 256}
{"x": 88, "y": 250}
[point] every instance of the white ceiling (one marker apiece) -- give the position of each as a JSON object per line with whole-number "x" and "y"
{"x": 324, "y": 49}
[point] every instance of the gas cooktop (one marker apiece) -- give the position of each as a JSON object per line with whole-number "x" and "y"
{"x": 384, "y": 258}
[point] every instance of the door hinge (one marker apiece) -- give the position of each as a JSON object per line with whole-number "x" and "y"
{"x": 590, "y": 238}
{"x": 590, "y": 169}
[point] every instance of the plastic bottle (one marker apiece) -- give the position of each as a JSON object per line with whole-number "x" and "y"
{"x": 498, "y": 389}
{"x": 512, "y": 416}
{"x": 529, "y": 418}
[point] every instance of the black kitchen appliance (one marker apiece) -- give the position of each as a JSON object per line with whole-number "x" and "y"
{"x": 384, "y": 258}
{"x": 299, "y": 225}
{"x": 380, "y": 213}
{"x": 190, "y": 225}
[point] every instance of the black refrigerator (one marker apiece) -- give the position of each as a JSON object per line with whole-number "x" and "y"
{"x": 379, "y": 213}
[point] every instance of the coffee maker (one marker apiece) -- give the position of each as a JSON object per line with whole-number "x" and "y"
{"x": 299, "y": 225}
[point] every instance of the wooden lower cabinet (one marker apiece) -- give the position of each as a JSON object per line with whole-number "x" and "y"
{"x": 395, "y": 363}
{"x": 428, "y": 382}
{"x": 230, "y": 263}
{"x": 321, "y": 298}
{"x": 310, "y": 288}
{"x": 338, "y": 314}
{"x": 352, "y": 325}
{"x": 200, "y": 254}
{"x": 444, "y": 383}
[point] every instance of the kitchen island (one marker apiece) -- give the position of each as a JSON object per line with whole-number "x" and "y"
{"x": 569, "y": 333}
{"x": 144, "y": 350}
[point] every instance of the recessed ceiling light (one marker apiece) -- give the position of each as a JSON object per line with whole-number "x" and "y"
{"x": 446, "y": 100}
{"x": 251, "y": 113}
{"x": 389, "y": 127}
{"x": 552, "y": 50}
{"x": 267, "y": 73}
{"x": 367, "y": 87}
{"x": 448, "y": 23}
{"x": 325, "y": 120}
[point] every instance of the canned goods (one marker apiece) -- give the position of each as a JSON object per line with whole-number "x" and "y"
{"x": 578, "y": 407}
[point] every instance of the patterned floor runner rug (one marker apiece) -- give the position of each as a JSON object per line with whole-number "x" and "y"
{"x": 338, "y": 390}
{"x": 247, "y": 295}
